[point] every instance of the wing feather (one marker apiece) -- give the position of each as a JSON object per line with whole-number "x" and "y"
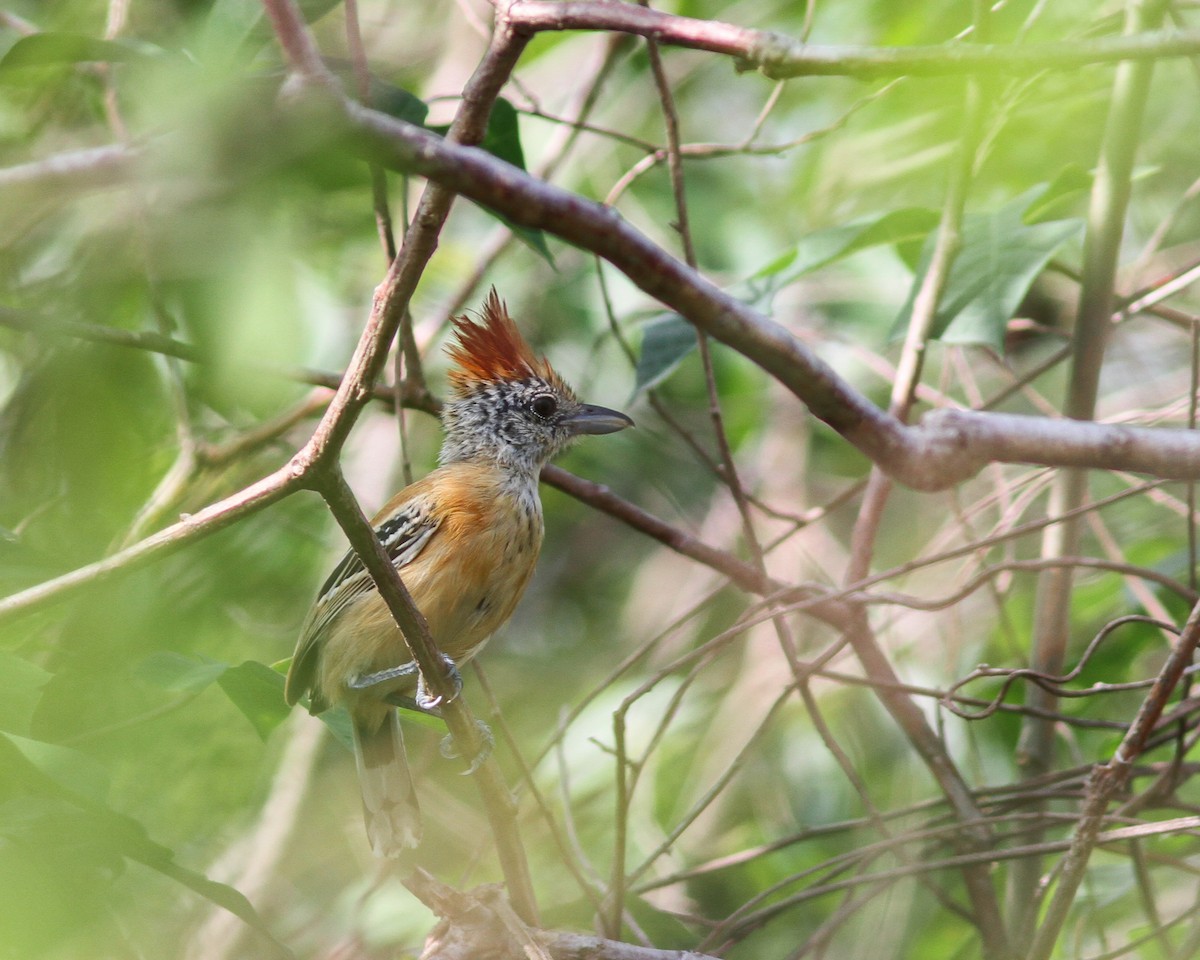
{"x": 404, "y": 534}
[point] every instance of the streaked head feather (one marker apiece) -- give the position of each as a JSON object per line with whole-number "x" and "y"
{"x": 493, "y": 351}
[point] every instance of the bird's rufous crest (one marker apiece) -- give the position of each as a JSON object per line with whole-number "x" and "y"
{"x": 493, "y": 350}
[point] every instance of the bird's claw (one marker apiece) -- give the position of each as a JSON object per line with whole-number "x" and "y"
{"x": 427, "y": 702}
{"x": 487, "y": 744}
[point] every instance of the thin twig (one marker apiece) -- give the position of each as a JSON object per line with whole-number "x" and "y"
{"x": 1106, "y": 782}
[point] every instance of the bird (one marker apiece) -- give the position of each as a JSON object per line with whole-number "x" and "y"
{"x": 465, "y": 539}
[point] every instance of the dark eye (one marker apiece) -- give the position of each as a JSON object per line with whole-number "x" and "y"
{"x": 544, "y": 406}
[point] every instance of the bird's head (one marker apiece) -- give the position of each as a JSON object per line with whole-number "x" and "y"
{"x": 507, "y": 405}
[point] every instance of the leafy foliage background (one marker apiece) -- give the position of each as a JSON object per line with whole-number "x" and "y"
{"x": 145, "y": 744}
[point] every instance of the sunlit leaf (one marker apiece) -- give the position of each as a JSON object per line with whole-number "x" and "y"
{"x": 257, "y": 691}
{"x": 998, "y": 260}
{"x": 823, "y": 247}
{"x": 179, "y": 672}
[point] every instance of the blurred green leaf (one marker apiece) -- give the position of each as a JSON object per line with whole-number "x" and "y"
{"x": 179, "y": 672}
{"x": 70, "y": 769}
{"x": 998, "y": 261}
{"x": 665, "y": 928}
{"x": 22, "y": 684}
{"x": 665, "y": 342}
{"x": 21, "y": 565}
{"x": 257, "y": 691}
{"x": 233, "y": 22}
{"x": 48, "y": 49}
{"x": 503, "y": 139}
{"x": 94, "y": 840}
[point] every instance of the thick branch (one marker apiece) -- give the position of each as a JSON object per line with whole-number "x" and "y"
{"x": 779, "y": 56}
{"x": 945, "y": 450}
{"x": 479, "y": 924}
{"x": 1014, "y": 438}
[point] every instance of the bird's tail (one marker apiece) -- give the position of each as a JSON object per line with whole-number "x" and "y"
{"x": 389, "y": 798}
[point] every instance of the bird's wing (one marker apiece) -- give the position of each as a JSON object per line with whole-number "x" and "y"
{"x": 410, "y": 523}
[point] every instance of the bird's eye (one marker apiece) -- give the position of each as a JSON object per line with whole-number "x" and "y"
{"x": 544, "y": 406}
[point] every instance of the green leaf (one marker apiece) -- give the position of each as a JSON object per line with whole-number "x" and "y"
{"x": 257, "y": 691}
{"x": 665, "y": 342}
{"x": 46, "y": 49}
{"x": 998, "y": 261}
{"x": 179, "y": 672}
{"x": 503, "y": 136}
{"x": 21, "y": 683}
{"x": 503, "y": 140}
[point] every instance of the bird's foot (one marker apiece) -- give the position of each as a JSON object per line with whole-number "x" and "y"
{"x": 487, "y": 744}
{"x": 426, "y": 701}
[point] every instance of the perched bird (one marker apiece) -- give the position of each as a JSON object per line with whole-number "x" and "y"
{"x": 465, "y": 540}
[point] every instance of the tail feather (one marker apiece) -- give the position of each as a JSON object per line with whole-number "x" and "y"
{"x": 389, "y": 798}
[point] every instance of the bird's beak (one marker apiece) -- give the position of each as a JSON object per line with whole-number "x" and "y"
{"x": 592, "y": 420}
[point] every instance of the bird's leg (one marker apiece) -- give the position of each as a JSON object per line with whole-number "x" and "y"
{"x": 427, "y": 703}
{"x": 364, "y": 680}
{"x": 423, "y": 701}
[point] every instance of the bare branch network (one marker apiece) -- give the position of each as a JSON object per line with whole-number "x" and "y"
{"x": 948, "y": 447}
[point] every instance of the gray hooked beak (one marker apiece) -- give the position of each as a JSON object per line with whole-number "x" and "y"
{"x": 593, "y": 420}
